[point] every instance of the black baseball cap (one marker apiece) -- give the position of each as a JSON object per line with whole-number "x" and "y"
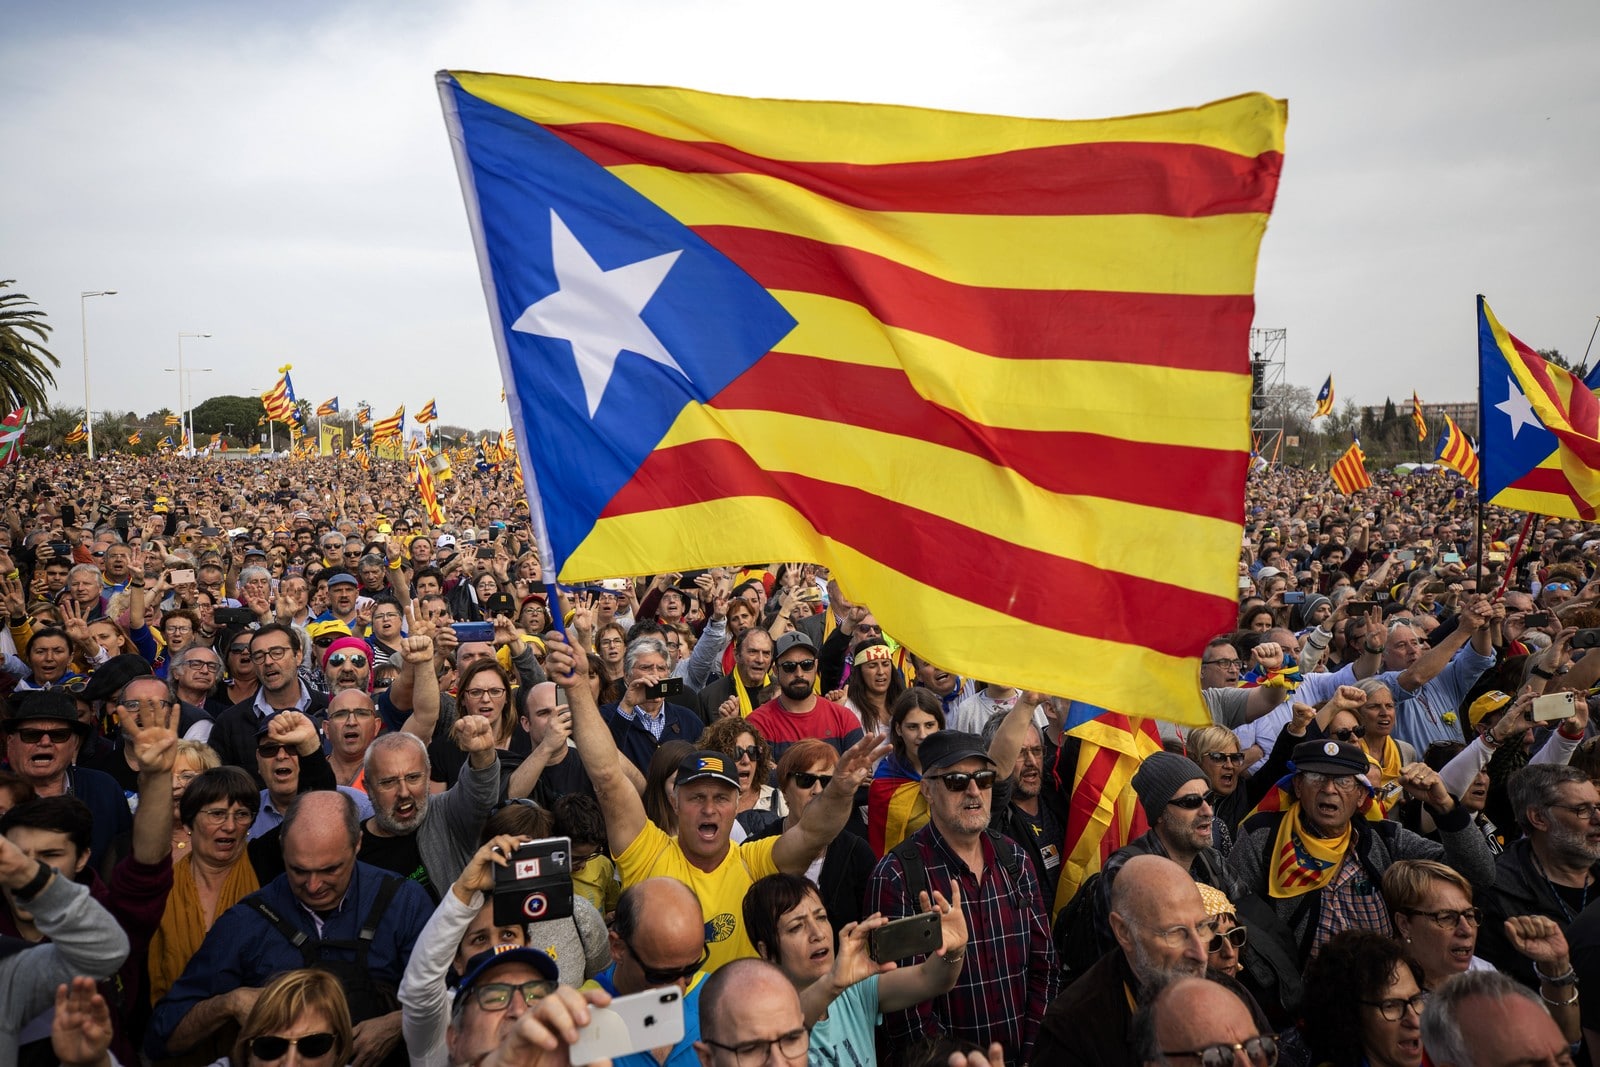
{"x": 948, "y": 747}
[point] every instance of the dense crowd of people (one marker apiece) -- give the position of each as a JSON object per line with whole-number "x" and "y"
{"x": 277, "y": 748}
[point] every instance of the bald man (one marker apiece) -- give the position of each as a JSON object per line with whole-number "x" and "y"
{"x": 1189, "y": 1015}
{"x": 658, "y": 938}
{"x": 330, "y": 899}
{"x": 1162, "y": 930}
{"x": 749, "y": 1002}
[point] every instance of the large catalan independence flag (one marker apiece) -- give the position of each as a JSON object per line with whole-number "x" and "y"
{"x": 936, "y": 352}
{"x": 1540, "y": 428}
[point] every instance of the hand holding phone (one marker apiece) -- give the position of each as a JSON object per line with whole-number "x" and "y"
{"x": 638, "y": 1023}
{"x": 536, "y": 884}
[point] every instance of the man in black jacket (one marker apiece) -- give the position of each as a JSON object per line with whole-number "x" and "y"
{"x": 275, "y": 649}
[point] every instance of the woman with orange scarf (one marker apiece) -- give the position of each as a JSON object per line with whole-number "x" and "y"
{"x": 213, "y": 875}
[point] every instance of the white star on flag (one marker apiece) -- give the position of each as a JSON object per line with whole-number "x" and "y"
{"x": 1518, "y": 410}
{"x": 597, "y": 311}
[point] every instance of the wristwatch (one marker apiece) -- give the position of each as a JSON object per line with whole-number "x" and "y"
{"x": 1541, "y": 672}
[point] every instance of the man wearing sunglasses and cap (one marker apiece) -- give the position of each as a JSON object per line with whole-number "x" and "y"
{"x": 1009, "y": 976}
{"x": 797, "y": 712}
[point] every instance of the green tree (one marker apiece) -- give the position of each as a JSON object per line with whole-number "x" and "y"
{"x": 52, "y": 426}
{"x": 215, "y": 414}
{"x": 25, "y": 364}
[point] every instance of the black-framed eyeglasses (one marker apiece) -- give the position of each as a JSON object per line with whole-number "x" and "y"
{"x": 1192, "y": 802}
{"x": 801, "y": 665}
{"x": 273, "y": 1047}
{"x": 496, "y": 996}
{"x": 1236, "y": 664}
{"x": 1393, "y": 1008}
{"x": 1448, "y": 918}
{"x": 1584, "y": 812}
{"x": 1235, "y": 937}
{"x": 957, "y": 781}
{"x": 806, "y": 780}
{"x": 791, "y": 1046}
{"x": 656, "y": 976}
{"x": 1260, "y": 1051}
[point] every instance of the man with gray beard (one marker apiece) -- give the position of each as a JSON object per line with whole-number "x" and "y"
{"x": 1162, "y": 930}
{"x": 428, "y": 839}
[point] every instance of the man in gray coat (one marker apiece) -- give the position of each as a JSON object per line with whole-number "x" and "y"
{"x": 84, "y": 940}
{"x": 428, "y": 839}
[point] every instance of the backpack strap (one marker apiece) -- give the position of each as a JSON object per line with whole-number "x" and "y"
{"x": 369, "y": 927}
{"x": 302, "y": 941}
{"x": 916, "y": 874}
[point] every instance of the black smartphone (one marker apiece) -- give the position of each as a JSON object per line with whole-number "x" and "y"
{"x": 915, "y": 935}
{"x": 1354, "y": 608}
{"x": 665, "y": 688}
{"x": 494, "y": 533}
{"x": 535, "y": 884}
{"x": 233, "y": 616}
{"x": 486, "y": 552}
{"x": 1536, "y": 619}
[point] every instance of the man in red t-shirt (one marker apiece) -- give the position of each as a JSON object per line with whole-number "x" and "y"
{"x": 797, "y": 712}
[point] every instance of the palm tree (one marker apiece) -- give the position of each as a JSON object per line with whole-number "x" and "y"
{"x": 52, "y": 426}
{"x": 25, "y": 364}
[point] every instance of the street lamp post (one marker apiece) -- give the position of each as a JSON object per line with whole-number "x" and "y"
{"x": 185, "y": 424}
{"x": 83, "y": 318}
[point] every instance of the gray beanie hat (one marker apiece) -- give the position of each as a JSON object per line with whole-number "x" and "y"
{"x": 1160, "y": 777}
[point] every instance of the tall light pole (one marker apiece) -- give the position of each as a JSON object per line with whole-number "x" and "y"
{"x": 83, "y": 317}
{"x": 186, "y": 426}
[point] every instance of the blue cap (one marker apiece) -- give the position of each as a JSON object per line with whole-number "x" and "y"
{"x": 479, "y": 966}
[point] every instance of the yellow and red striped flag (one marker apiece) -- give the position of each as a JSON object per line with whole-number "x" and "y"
{"x": 423, "y": 477}
{"x": 977, "y": 314}
{"x": 1104, "y": 813}
{"x": 1416, "y": 417}
{"x": 172, "y": 420}
{"x": 1456, "y": 452}
{"x": 427, "y": 413}
{"x": 1349, "y": 472}
{"x": 78, "y": 435}
{"x": 392, "y": 427}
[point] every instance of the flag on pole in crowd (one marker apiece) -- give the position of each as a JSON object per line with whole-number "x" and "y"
{"x": 78, "y": 435}
{"x": 215, "y": 442}
{"x": 1104, "y": 813}
{"x": 1324, "y": 399}
{"x": 165, "y": 444}
{"x": 1416, "y": 417}
{"x": 425, "y": 488}
{"x": 183, "y": 446}
{"x": 279, "y": 405}
{"x": 391, "y": 428}
{"x": 13, "y": 429}
{"x": 172, "y": 420}
{"x": 328, "y": 407}
{"x": 1540, "y": 428}
{"x": 1350, "y": 470}
{"x": 1456, "y": 452}
{"x": 364, "y": 415}
{"x": 135, "y": 437}
{"x": 255, "y": 449}
{"x": 685, "y": 282}
{"x": 428, "y": 413}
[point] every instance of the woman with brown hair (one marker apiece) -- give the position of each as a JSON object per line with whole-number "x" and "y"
{"x": 759, "y": 805}
{"x": 658, "y": 785}
{"x": 484, "y": 688}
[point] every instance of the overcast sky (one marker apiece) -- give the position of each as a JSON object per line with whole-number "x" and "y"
{"x": 278, "y": 174}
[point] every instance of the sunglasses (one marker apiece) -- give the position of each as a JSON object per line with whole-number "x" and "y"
{"x": 1233, "y": 758}
{"x": 655, "y": 977}
{"x": 956, "y": 781}
{"x": 273, "y": 751}
{"x": 58, "y": 736}
{"x": 793, "y": 665}
{"x": 272, "y": 1047}
{"x": 1192, "y": 802}
{"x": 1350, "y": 733}
{"x": 1235, "y": 937}
{"x": 806, "y": 780}
{"x": 355, "y": 659}
{"x": 750, "y": 752}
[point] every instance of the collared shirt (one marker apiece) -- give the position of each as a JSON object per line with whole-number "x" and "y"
{"x": 264, "y": 710}
{"x": 1351, "y": 902}
{"x": 269, "y": 817}
{"x": 656, "y": 723}
{"x": 1009, "y": 976}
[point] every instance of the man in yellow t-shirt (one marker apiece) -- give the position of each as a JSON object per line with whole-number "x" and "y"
{"x": 705, "y": 798}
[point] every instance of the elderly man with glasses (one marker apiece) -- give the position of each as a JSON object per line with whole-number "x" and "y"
{"x": 1317, "y": 861}
{"x": 275, "y": 650}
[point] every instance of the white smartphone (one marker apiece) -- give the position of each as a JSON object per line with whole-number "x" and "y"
{"x": 1553, "y": 707}
{"x": 637, "y": 1023}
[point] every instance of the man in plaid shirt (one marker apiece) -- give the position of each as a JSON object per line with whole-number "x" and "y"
{"x": 1010, "y": 974}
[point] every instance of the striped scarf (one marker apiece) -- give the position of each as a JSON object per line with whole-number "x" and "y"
{"x": 1303, "y": 863}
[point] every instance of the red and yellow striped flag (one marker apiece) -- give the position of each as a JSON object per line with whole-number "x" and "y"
{"x": 1416, "y": 417}
{"x": 425, "y": 487}
{"x": 392, "y": 427}
{"x": 1456, "y": 452}
{"x": 1104, "y": 813}
{"x": 919, "y": 347}
{"x": 1350, "y": 471}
